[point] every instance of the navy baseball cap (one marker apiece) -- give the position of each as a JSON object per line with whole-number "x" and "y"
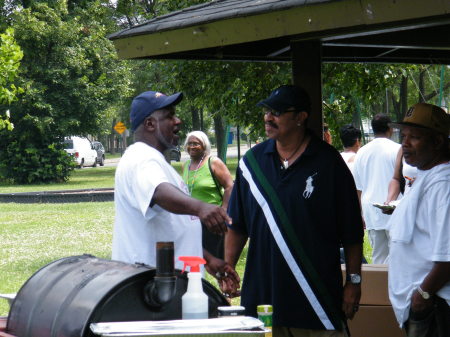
{"x": 146, "y": 103}
{"x": 287, "y": 96}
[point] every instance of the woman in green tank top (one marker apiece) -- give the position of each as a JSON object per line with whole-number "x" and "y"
{"x": 209, "y": 180}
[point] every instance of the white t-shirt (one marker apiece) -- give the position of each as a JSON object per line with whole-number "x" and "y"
{"x": 137, "y": 226}
{"x": 373, "y": 170}
{"x": 410, "y": 262}
{"x": 347, "y": 156}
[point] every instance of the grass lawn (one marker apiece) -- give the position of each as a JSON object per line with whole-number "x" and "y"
{"x": 32, "y": 235}
{"x": 98, "y": 177}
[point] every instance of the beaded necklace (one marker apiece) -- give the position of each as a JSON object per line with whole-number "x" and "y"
{"x": 191, "y": 186}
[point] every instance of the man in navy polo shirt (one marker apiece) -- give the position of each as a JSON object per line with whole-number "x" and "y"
{"x": 296, "y": 201}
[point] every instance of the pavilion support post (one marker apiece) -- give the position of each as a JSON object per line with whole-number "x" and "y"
{"x": 307, "y": 73}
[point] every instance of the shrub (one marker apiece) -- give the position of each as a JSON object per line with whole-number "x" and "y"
{"x": 27, "y": 164}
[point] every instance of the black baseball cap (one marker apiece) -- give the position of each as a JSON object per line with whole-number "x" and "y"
{"x": 286, "y": 97}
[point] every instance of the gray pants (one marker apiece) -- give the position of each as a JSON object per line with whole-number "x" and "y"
{"x": 433, "y": 323}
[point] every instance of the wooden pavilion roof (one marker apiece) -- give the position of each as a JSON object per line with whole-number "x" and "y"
{"x": 383, "y": 31}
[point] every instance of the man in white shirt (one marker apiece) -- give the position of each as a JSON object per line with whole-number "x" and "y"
{"x": 351, "y": 140}
{"x": 373, "y": 170}
{"x": 419, "y": 265}
{"x": 152, "y": 201}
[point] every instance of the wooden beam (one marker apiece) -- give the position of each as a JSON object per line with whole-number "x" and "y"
{"x": 307, "y": 73}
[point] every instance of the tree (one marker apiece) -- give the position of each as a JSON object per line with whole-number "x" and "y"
{"x": 10, "y": 56}
{"x": 71, "y": 77}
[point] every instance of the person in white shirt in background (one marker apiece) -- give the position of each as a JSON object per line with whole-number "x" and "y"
{"x": 372, "y": 171}
{"x": 351, "y": 140}
{"x": 419, "y": 266}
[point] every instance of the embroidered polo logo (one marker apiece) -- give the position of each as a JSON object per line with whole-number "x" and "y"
{"x": 309, "y": 189}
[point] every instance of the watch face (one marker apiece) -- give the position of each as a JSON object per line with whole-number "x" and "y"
{"x": 355, "y": 278}
{"x": 424, "y": 294}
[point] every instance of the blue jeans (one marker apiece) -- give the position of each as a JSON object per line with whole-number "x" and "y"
{"x": 433, "y": 323}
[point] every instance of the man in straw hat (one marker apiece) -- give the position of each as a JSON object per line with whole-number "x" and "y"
{"x": 419, "y": 268}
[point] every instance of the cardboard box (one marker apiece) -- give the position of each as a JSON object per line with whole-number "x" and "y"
{"x": 374, "y": 284}
{"x": 375, "y": 321}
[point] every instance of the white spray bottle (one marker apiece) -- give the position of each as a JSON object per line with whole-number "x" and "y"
{"x": 194, "y": 302}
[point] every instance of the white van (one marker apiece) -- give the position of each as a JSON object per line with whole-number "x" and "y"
{"x": 82, "y": 151}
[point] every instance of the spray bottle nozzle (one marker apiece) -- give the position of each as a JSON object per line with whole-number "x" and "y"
{"x": 193, "y": 262}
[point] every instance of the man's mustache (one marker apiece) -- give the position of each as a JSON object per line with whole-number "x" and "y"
{"x": 272, "y": 124}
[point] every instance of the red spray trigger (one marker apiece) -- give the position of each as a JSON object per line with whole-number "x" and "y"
{"x": 193, "y": 262}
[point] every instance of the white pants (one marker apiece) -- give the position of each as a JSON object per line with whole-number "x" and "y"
{"x": 379, "y": 240}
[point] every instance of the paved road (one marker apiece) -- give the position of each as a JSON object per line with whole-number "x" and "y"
{"x": 231, "y": 153}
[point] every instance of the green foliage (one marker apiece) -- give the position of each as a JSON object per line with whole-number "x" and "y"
{"x": 69, "y": 69}
{"x": 132, "y": 12}
{"x": 352, "y": 92}
{"x": 227, "y": 89}
{"x": 10, "y": 56}
{"x": 31, "y": 164}
{"x": 72, "y": 81}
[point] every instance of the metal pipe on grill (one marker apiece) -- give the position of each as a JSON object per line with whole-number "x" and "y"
{"x": 162, "y": 288}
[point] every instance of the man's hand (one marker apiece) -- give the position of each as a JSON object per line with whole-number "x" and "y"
{"x": 173, "y": 200}
{"x": 350, "y": 302}
{"x": 214, "y": 218}
{"x": 419, "y": 304}
{"x": 228, "y": 279}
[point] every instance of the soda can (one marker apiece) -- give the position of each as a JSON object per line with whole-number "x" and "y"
{"x": 265, "y": 312}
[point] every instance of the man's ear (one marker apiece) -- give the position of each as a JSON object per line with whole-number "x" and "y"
{"x": 438, "y": 141}
{"x": 150, "y": 123}
{"x": 302, "y": 116}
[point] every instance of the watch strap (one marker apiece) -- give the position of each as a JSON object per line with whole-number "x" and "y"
{"x": 425, "y": 295}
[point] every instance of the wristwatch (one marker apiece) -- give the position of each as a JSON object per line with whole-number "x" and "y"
{"x": 426, "y": 295}
{"x": 354, "y": 278}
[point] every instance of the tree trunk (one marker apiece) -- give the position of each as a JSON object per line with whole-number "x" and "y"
{"x": 395, "y": 103}
{"x": 112, "y": 148}
{"x": 421, "y": 86}
{"x": 356, "y": 119}
{"x": 403, "y": 98}
{"x": 196, "y": 123}
{"x": 202, "y": 122}
{"x": 219, "y": 128}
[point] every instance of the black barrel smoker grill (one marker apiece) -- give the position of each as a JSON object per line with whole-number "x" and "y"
{"x": 64, "y": 297}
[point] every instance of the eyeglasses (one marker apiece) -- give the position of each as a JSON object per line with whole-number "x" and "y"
{"x": 276, "y": 113}
{"x": 193, "y": 144}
